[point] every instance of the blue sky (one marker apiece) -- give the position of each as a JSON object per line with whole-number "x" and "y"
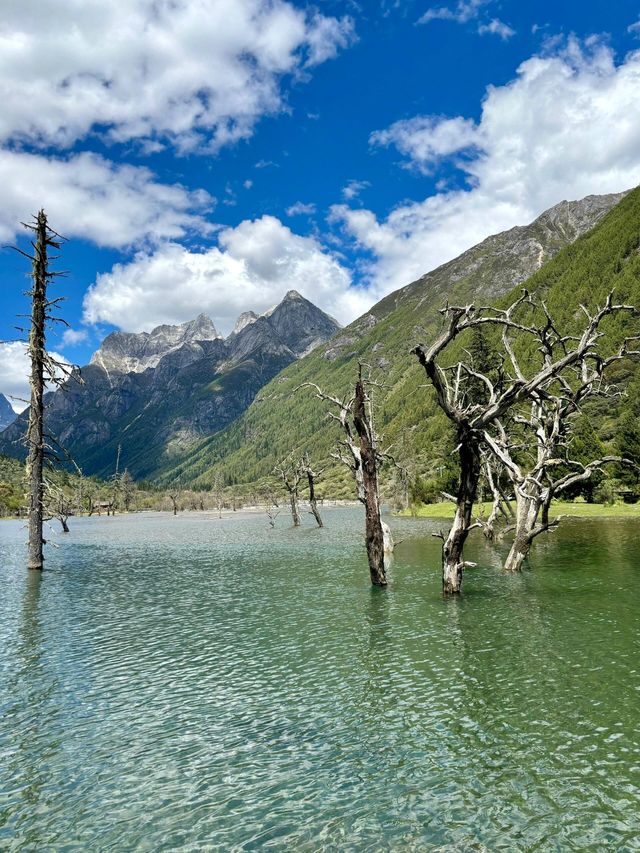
{"x": 209, "y": 155}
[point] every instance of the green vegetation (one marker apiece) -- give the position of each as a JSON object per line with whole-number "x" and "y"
{"x": 285, "y": 419}
{"x": 574, "y": 509}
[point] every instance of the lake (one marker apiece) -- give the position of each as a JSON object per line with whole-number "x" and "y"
{"x": 195, "y": 683}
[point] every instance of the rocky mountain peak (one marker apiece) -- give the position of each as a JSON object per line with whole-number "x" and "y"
{"x": 7, "y": 415}
{"x": 134, "y": 352}
{"x": 245, "y": 319}
{"x": 300, "y": 323}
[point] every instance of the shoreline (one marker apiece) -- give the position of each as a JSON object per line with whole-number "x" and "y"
{"x": 445, "y": 511}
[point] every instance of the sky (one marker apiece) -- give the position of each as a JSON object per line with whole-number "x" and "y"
{"x": 210, "y": 155}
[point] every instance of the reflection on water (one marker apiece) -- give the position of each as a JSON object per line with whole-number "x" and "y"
{"x": 203, "y": 684}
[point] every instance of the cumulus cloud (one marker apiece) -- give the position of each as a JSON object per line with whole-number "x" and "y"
{"x": 567, "y": 126}
{"x": 253, "y": 266}
{"x": 88, "y": 196}
{"x": 14, "y": 373}
{"x": 196, "y": 73}
{"x": 634, "y": 28}
{"x": 426, "y": 140}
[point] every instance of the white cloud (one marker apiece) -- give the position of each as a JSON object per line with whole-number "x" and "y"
{"x": 567, "y": 126}
{"x": 426, "y": 140}
{"x": 634, "y": 28}
{"x": 354, "y": 188}
{"x": 463, "y": 11}
{"x": 247, "y": 184}
{"x": 192, "y": 72}
{"x": 497, "y": 27}
{"x": 73, "y": 337}
{"x": 326, "y": 36}
{"x": 252, "y": 268}
{"x": 14, "y": 373}
{"x": 87, "y": 196}
{"x": 301, "y": 209}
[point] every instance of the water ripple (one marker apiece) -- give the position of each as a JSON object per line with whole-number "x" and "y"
{"x": 200, "y": 684}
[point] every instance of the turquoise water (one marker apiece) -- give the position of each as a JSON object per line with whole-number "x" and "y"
{"x": 198, "y": 684}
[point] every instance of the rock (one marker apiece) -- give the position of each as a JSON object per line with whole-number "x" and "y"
{"x": 7, "y": 415}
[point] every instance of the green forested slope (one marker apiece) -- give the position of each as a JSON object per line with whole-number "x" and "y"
{"x": 283, "y": 420}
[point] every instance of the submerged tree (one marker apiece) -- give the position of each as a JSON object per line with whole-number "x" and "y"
{"x": 536, "y": 447}
{"x": 291, "y": 473}
{"x": 271, "y": 507}
{"x": 173, "y": 496}
{"x": 475, "y": 414}
{"x": 44, "y": 368}
{"x": 359, "y": 453}
{"x": 58, "y": 506}
{"x": 311, "y": 476}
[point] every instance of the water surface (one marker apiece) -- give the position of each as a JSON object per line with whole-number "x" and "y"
{"x": 193, "y": 683}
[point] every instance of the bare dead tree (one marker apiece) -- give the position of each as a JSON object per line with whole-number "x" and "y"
{"x": 44, "y": 369}
{"x": 272, "y": 509}
{"x": 311, "y": 476}
{"x": 57, "y": 505}
{"x": 491, "y": 473}
{"x": 359, "y": 453}
{"x": 540, "y": 475}
{"x": 472, "y": 417}
{"x": 173, "y": 497}
{"x": 291, "y": 474}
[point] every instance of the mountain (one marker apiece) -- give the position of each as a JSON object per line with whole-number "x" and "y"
{"x": 7, "y": 415}
{"x": 133, "y": 353}
{"x": 156, "y": 393}
{"x": 282, "y": 419}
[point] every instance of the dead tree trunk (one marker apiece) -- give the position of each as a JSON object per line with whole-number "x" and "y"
{"x": 361, "y": 457}
{"x": 35, "y": 432}
{"x": 527, "y": 510}
{"x": 291, "y": 474}
{"x": 452, "y": 550}
{"x": 311, "y": 476}
{"x": 374, "y": 534}
{"x": 295, "y": 514}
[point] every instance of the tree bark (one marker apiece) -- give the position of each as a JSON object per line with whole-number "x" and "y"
{"x": 313, "y": 503}
{"x": 374, "y": 534}
{"x": 452, "y": 560}
{"x": 295, "y": 514}
{"x": 527, "y": 511}
{"x": 35, "y": 433}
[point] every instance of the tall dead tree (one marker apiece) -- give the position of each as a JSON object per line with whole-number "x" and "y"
{"x": 43, "y": 369}
{"x": 311, "y": 476}
{"x": 291, "y": 474}
{"x": 359, "y": 453}
{"x": 473, "y": 415}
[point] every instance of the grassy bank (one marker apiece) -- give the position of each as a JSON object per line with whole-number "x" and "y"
{"x": 574, "y": 510}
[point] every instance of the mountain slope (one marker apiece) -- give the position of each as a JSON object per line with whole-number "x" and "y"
{"x": 7, "y": 415}
{"x": 154, "y": 394}
{"x": 282, "y": 419}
